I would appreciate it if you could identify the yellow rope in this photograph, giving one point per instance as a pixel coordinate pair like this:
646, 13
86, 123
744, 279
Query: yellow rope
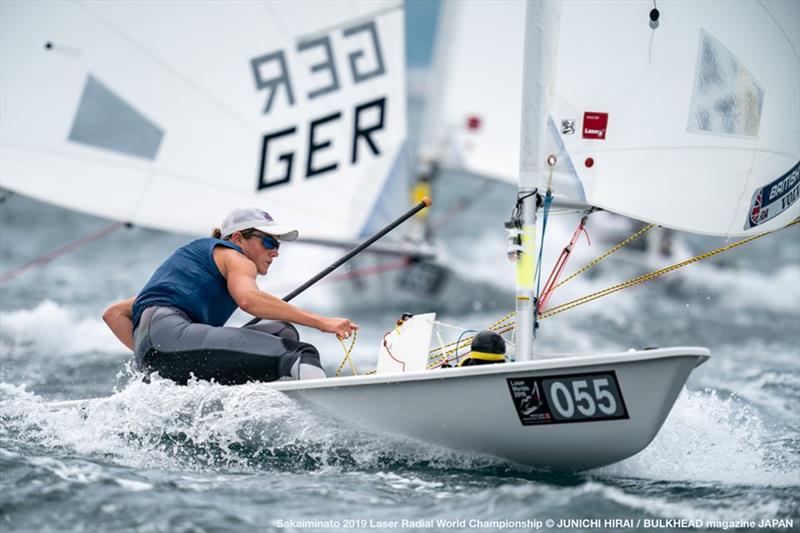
506, 323
444, 352
652, 275
609, 252
501, 326
441, 344
347, 352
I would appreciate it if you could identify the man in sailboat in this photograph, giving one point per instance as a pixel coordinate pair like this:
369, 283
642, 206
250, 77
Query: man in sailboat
175, 324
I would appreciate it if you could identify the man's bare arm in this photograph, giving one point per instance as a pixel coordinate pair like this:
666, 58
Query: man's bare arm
119, 317
241, 276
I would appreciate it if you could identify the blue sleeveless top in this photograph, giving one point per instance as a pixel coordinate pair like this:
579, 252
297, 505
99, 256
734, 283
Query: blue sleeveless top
190, 281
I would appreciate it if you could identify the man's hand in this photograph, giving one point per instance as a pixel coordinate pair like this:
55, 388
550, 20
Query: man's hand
342, 327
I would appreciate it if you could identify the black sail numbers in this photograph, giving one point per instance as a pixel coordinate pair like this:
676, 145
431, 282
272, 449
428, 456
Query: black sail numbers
283, 149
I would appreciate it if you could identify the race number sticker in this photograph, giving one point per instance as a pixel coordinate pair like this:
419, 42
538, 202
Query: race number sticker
775, 198
569, 398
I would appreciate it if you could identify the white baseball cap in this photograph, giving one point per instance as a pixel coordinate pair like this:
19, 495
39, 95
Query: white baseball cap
251, 217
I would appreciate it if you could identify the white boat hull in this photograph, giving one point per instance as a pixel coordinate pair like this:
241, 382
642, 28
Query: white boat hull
472, 409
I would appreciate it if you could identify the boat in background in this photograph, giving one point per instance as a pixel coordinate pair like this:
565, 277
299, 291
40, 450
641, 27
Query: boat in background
471, 119
467, 149
166, 115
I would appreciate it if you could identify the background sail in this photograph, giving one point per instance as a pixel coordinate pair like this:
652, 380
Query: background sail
694, 125
168, 114
472, 117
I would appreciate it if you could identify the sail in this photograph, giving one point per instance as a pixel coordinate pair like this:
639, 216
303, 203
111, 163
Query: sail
169, 114
472, 119
693, 124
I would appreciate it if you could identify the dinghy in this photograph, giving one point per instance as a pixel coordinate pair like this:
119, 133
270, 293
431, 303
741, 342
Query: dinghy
168, 114
686, 117
566, 413
689, 122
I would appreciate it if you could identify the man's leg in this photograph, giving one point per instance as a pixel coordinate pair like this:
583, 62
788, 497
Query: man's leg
181, 349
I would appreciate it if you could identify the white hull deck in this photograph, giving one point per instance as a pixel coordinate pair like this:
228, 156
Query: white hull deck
597, 409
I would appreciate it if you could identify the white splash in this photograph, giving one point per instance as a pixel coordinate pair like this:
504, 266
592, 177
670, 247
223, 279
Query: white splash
205, 426
702, 439
55, 330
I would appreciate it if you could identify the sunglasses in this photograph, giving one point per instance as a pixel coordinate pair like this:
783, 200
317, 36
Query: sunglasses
269, 242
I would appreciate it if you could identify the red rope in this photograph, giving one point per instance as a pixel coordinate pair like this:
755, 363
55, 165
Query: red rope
354, 274
370, 271
550, 286
13, 273
386, 345
462, 205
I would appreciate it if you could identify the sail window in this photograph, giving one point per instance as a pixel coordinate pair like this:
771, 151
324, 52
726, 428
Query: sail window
727, 99
105, 120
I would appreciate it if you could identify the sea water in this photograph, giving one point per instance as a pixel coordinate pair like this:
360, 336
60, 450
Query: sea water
204, 457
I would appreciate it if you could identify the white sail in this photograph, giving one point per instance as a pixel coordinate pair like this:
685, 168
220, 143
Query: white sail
472, 116
714, 156
168, 114
693, 125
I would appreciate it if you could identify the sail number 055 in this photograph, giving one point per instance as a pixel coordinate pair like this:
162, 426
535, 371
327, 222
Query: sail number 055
567, 398
587, 400
583, 397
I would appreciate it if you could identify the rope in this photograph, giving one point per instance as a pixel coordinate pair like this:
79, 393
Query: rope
507, 322
609, 252
13, 273
652, 275
561, 263
439, 338
347, 352
451, 326
502, 325
548, 199
458, 341
372, 270
462, 205
360, 273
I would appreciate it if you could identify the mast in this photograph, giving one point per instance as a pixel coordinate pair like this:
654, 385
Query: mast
540, 29
432, 147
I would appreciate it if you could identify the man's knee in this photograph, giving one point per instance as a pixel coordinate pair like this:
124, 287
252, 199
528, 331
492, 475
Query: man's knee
289, 332
310, 357
278, 328
303, 362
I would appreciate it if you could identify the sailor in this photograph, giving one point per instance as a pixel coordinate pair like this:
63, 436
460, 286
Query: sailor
175, 324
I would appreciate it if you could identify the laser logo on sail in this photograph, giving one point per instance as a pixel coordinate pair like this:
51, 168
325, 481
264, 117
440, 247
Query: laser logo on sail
595, 125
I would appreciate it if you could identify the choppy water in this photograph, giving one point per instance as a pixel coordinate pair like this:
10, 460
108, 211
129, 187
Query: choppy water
210, 458
205, 457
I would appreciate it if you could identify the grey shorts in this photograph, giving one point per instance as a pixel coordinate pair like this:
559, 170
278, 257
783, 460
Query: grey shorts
168, 342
